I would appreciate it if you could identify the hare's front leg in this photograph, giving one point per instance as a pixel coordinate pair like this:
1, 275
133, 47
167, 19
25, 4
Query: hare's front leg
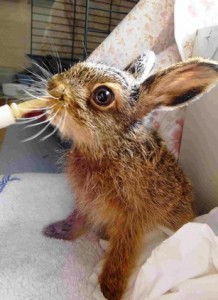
68, 229
124, 246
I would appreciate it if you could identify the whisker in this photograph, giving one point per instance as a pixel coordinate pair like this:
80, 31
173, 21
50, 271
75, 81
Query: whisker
44, 71
38, 109
58, 61
47, 69
35, 96
36, 124
36, 135
40, 78
50, 65
37, 91
41, 131
41, 85
52, 45
25, 118
43, 93
39, 94
50, 96
34, 81
37, 76
47, 136
38, 97
62, 120
21, 121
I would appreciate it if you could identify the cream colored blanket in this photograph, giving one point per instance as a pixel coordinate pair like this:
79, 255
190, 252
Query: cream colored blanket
183, 266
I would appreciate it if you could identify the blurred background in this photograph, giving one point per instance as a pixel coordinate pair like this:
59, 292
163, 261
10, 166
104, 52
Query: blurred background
50, 33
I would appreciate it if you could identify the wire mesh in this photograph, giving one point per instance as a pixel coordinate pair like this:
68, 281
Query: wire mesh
74, 28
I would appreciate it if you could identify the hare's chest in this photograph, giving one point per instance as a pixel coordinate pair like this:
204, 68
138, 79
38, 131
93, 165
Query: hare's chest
90, 181
99, 187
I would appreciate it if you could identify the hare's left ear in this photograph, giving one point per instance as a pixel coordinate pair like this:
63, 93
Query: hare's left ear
176, 85
141, 67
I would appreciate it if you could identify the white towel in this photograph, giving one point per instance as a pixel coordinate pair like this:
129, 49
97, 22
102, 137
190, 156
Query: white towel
34, 267
184, 266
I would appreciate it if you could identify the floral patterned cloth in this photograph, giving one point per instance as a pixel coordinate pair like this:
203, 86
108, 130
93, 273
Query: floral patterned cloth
150, 25
191, 15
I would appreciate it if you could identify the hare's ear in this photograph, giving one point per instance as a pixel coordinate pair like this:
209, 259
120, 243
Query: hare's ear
142, 66
176, 85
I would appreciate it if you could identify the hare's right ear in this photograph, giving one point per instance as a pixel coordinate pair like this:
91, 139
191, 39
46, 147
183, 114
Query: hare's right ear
176, 85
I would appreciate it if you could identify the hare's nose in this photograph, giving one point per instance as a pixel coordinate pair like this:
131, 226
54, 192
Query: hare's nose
56, 90
51, 84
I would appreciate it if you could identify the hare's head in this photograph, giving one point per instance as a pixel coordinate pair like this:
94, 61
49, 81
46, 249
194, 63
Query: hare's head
96, 103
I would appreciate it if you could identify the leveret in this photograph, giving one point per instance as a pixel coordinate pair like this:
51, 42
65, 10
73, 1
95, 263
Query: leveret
124, 179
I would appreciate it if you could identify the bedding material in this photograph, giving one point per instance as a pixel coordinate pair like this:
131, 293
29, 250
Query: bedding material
182, 266
33, 266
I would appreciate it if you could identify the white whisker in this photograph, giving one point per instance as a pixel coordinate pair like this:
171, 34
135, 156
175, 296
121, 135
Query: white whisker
40, 83
31, 117
46, 68
43, 93
50, 96
41, 131
62, 120
21, 121
44, 71
38, 76
35, 96
50, 64
55, 57
36, 124
38, 109
38, 88
47, 136
41, 96
36, 135
58, 61
38, 92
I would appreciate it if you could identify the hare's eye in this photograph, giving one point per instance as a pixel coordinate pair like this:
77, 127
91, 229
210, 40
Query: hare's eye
103, 96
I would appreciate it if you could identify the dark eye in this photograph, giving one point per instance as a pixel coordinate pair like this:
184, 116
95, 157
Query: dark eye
103, 96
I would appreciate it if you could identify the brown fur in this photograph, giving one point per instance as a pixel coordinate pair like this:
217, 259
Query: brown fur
125, 180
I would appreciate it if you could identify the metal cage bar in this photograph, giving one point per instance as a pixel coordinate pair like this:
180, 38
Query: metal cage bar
80, 24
